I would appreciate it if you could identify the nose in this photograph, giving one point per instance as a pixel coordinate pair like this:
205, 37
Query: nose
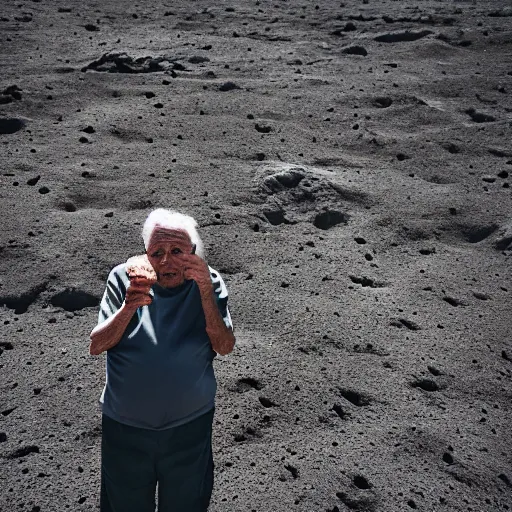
169, 257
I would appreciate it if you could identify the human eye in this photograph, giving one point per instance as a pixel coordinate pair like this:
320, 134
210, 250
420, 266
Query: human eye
176, 251
157, 254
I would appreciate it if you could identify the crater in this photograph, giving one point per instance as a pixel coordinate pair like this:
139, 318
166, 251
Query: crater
403, 322
10, 125
329, 218
479, 117
266, 402
140, 204
23, 452
72, 299
293, 470
21, 303
355, 397
398, 37
504, 238
367, 282
355, 50
425, 384
276, 217
340, 411
246, 384
361, 482
382, 102
300, 195
358, 502
475, 233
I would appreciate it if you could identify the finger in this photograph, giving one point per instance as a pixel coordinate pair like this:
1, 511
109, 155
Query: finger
138, 276
133, 292
141, 281
196, 265
141, 300
137, 292
141, 273
138, 298
191, 258
141, 286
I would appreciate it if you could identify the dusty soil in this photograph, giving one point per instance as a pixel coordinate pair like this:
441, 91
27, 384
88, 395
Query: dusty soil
349, 165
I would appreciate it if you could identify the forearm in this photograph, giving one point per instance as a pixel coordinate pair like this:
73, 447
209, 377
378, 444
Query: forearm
221, 336
108, 334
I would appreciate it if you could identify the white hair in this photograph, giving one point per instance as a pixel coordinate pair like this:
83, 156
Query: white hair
171, 219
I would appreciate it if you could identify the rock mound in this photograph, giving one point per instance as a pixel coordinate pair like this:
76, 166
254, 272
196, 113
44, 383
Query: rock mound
123, 63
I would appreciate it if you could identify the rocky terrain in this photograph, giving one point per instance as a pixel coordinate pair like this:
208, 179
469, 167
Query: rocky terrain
349, 164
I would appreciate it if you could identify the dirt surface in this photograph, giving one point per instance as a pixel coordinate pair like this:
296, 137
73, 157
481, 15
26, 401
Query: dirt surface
349, 165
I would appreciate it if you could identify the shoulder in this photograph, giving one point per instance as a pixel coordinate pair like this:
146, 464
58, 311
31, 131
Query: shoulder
119, 270
218, 282
118, 276
214, 274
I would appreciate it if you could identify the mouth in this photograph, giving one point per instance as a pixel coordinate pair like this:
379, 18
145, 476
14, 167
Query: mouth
168, 274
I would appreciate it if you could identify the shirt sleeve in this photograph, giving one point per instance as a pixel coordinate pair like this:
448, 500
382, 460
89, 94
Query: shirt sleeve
113, 296
221, 297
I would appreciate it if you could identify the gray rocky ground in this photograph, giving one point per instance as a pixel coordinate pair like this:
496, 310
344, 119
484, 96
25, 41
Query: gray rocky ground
349, 166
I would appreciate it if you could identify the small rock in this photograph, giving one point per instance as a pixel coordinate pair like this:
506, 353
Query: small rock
228, 86
355, 50
481, 296
262, 128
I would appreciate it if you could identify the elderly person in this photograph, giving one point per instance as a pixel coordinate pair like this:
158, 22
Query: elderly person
163, 318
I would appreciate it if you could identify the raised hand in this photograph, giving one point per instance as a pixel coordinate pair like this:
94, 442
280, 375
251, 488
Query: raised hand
197, 269
142, 277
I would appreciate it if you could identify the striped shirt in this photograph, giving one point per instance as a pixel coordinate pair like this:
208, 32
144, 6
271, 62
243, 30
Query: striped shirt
160, 374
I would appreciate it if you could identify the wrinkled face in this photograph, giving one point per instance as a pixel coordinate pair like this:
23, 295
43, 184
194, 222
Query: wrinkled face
166, 250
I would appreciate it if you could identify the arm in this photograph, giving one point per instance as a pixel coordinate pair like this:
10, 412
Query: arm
221, 336
218, 328
118, 306
108, 334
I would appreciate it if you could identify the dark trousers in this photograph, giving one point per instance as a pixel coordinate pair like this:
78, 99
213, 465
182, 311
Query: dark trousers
134, 459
